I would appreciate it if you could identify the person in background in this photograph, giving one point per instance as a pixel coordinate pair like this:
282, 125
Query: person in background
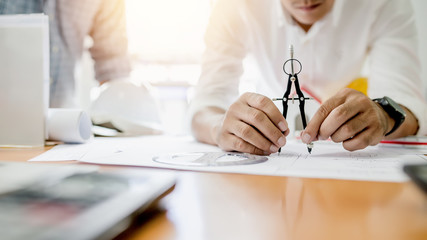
332, 39
70, 23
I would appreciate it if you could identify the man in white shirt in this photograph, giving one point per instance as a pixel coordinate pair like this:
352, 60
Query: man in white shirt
333, 40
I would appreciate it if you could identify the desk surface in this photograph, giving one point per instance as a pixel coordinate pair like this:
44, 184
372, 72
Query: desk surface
235, 206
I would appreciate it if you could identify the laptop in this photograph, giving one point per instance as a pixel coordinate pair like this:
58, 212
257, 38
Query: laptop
53, 201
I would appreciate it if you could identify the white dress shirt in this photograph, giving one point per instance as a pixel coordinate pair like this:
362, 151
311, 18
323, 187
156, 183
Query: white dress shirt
332, 52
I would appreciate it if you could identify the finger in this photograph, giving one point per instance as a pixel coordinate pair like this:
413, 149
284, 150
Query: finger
240, 111
234, 143
253, 137
263, 124
264, 104
337, 118
311, 132
367, 137
286, 133
349, 129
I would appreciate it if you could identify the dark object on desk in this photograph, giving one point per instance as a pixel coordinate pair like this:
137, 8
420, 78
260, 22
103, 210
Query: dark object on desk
394, 110
418, 174
293, 83
75, 202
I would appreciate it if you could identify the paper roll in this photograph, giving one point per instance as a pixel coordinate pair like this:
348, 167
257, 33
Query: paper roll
68, 125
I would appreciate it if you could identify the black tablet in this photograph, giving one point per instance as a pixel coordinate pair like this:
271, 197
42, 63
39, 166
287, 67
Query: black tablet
418, 173
75, 201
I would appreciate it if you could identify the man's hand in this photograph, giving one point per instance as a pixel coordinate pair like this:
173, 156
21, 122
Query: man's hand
252, 124
349, 117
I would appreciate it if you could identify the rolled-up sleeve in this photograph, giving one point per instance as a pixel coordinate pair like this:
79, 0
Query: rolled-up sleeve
394, 62
222, 60
110, 45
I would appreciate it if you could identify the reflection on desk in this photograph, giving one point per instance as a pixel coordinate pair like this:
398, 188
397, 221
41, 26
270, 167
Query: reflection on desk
236, 206
230, 206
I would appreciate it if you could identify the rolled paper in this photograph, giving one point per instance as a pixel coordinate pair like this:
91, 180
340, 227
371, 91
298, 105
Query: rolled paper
68, 125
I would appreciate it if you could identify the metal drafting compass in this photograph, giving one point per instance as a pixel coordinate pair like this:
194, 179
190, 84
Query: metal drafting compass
293, 81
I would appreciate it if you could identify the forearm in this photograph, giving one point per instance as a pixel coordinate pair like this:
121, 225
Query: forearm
110, 45
205, 124
409, 126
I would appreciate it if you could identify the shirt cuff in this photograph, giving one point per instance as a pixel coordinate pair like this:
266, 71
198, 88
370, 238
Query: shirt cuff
419, 109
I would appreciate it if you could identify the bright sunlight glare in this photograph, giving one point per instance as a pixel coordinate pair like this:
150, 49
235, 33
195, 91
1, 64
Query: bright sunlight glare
167, 31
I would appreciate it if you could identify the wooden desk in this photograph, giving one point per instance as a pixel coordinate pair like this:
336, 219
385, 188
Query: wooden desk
235, 206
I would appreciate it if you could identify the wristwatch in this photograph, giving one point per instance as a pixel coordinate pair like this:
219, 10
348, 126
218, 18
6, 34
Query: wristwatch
394, 110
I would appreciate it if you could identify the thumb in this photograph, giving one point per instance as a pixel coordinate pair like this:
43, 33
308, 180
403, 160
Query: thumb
311, 132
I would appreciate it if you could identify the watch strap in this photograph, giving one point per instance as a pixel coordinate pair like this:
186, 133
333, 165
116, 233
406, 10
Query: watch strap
394, 110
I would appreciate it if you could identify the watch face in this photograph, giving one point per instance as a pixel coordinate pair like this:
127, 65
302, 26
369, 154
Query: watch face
395, 106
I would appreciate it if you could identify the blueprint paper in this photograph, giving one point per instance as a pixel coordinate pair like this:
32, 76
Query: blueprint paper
328, 160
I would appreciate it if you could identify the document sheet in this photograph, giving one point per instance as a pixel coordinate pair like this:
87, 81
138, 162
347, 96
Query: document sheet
328, 160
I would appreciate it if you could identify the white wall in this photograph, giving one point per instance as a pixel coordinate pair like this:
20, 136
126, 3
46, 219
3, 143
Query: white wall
420, 7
